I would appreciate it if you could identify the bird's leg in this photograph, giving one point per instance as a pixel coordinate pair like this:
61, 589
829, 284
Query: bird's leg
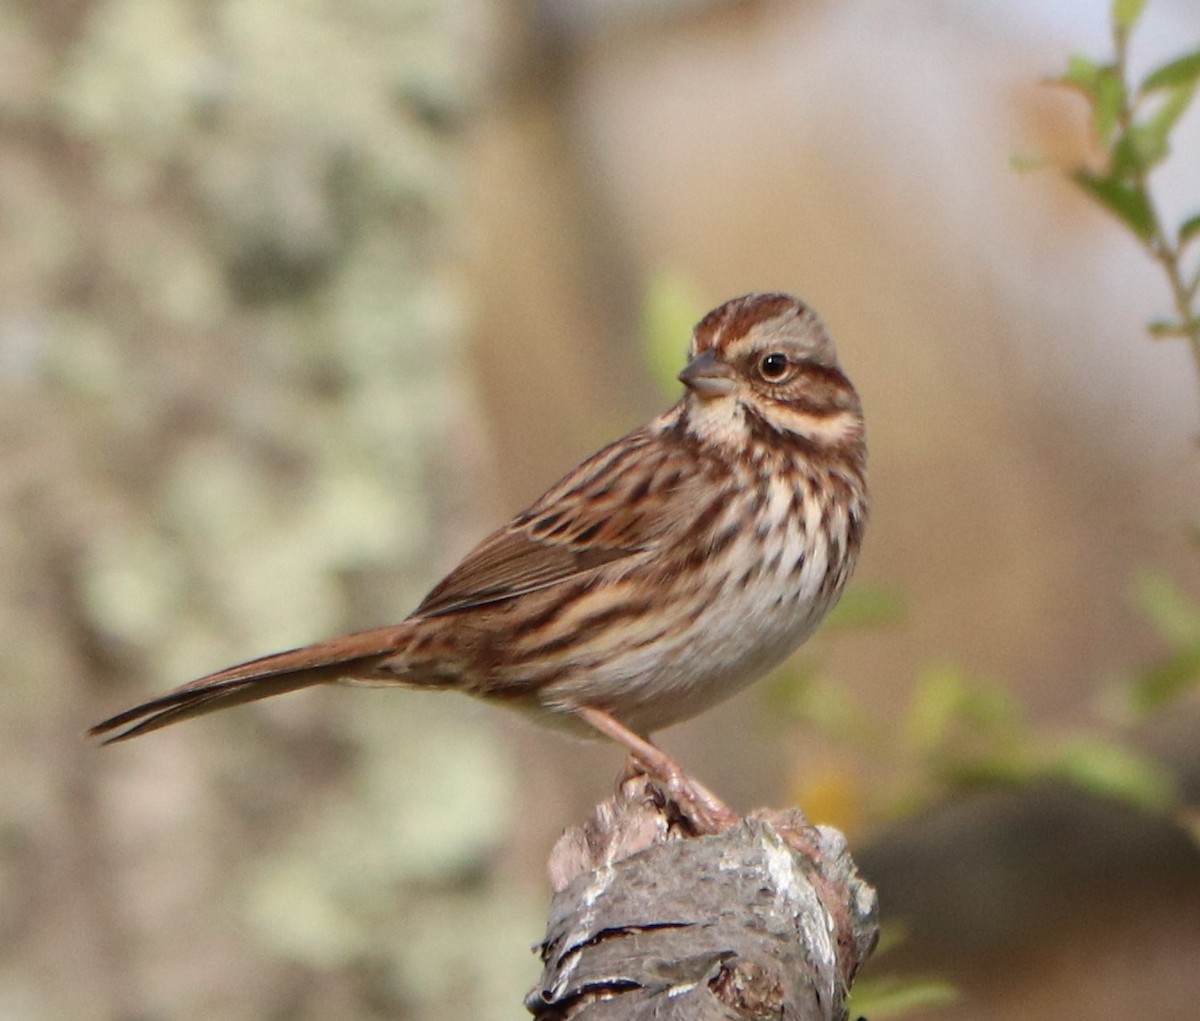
704, 810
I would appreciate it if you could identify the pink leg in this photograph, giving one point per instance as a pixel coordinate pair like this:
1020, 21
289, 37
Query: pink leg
704, 810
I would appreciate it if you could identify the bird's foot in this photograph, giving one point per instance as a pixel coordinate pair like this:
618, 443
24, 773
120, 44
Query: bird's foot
704, 812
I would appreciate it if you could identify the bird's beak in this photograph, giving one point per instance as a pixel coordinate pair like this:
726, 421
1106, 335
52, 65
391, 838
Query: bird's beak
707, 377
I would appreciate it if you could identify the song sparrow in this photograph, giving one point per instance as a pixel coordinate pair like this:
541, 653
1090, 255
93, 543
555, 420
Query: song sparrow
662, 575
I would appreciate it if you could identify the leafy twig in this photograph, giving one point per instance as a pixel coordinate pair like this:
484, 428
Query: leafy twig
1133, 125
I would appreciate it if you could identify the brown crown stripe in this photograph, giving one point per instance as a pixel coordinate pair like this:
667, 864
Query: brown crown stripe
736, 318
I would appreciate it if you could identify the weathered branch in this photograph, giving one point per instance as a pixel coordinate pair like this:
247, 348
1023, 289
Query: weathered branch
769, 919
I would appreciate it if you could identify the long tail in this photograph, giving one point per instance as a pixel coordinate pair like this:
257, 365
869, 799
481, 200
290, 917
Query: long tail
351, 656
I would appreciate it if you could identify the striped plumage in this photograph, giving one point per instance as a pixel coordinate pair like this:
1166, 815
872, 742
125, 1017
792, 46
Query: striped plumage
664, 573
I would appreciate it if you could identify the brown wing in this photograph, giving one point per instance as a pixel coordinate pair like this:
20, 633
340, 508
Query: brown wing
614, 506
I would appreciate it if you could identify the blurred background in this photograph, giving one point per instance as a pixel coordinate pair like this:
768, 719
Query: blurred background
299, 300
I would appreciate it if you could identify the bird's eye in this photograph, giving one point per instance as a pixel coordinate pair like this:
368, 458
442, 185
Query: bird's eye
774, 366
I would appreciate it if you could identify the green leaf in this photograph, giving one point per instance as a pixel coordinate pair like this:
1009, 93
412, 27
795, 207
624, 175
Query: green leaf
670, 311
1113, 771
1139, 149
893, 934
878, 998
1174, 107
794, 693
934, 704
951, 711
1082, 73
1125, 14
1176, 618
967, 733
1166, 329
1127, 202
1145, 144
1167, 680
866, 606
1174, 614
1103, 87
1189, 230
788, 691
1183, 71
1023, 162
1109, 99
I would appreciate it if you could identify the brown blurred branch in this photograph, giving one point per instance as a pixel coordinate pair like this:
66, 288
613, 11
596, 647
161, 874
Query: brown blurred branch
769, 919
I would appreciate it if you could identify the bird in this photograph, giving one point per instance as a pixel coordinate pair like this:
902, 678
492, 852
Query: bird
666, 572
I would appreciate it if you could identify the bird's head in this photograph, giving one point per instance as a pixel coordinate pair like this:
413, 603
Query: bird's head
766, 362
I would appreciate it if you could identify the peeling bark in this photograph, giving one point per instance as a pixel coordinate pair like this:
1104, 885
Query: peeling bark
769, 919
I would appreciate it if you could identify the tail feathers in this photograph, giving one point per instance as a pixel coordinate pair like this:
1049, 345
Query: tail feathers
351, 656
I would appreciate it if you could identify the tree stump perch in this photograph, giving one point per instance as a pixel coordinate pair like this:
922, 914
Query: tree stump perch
769, 919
